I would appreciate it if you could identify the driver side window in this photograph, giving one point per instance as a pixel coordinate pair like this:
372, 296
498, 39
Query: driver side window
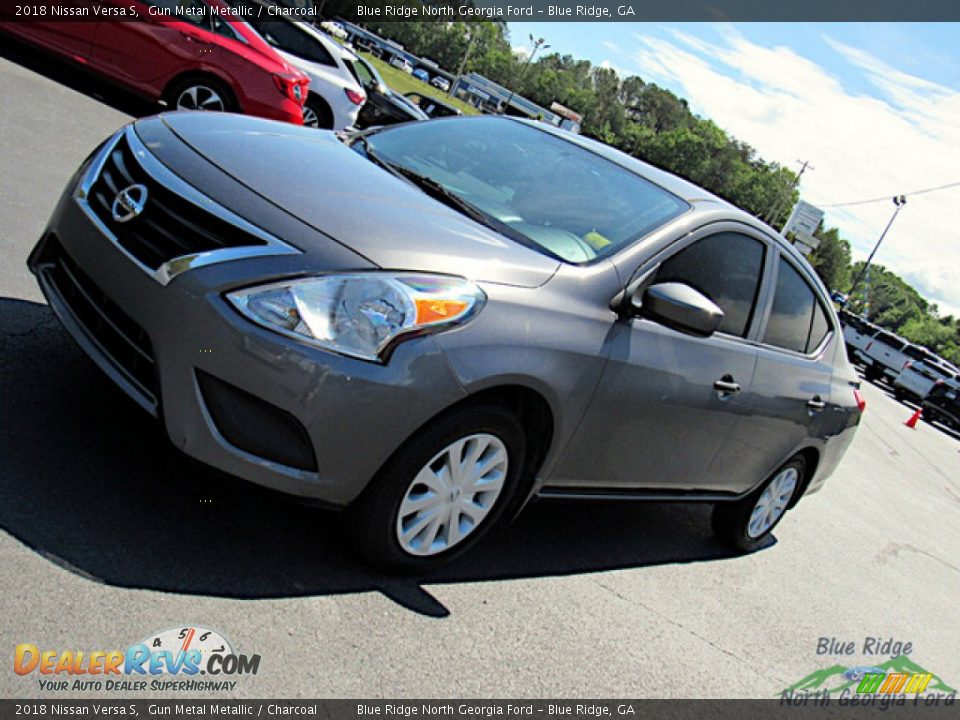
725, 267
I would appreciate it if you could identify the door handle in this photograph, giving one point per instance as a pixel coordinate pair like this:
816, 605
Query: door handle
816, 404
193, 38
726, 385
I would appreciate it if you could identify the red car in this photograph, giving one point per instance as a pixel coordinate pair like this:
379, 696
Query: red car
179, 51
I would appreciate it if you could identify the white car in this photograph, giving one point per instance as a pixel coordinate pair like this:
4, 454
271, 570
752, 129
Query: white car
918, 377
441, 83
335, 96
334, 28
857, 333
401, 63
886, 356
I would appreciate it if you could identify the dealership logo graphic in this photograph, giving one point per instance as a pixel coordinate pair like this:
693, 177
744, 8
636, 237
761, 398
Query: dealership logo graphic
897, 676
184, 652
129, 203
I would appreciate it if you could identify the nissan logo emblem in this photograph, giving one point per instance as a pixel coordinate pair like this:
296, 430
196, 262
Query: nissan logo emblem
129, 203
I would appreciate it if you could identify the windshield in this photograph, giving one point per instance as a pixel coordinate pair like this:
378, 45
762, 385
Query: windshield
567, 201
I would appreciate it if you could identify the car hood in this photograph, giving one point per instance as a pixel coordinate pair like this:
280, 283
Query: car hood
314, 177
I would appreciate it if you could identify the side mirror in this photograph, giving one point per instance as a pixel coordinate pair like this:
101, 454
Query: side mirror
678, 306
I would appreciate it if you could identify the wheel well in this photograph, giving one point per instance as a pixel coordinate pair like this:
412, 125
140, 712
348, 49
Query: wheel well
199, 75
811, 458
322, 103
537, 420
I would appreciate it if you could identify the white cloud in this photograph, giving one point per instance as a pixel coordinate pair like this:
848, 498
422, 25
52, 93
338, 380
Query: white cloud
902, 136
616, 68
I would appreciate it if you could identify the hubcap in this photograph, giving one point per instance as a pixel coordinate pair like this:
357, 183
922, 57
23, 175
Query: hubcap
452, 494
310, 117
773, 502
200, 97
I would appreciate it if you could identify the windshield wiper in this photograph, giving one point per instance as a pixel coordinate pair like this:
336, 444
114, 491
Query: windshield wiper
437, 191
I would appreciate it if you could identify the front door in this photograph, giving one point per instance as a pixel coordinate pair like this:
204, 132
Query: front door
667, 402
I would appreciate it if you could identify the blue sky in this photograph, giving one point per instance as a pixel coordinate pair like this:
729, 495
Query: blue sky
875, 107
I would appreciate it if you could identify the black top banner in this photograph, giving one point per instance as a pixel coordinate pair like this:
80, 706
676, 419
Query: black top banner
504, 10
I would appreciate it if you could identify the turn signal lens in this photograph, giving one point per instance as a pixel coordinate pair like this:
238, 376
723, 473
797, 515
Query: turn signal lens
431, 311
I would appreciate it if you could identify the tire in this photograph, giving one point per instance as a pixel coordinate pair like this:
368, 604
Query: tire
317, 114
384, 520
201, 93
732, 521
872, 374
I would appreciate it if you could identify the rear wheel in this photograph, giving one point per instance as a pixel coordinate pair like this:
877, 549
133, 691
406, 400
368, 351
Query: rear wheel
317, 114
442, 491
201, 94
744, 525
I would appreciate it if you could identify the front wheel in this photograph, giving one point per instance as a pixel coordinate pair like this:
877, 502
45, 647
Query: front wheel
442, 491
746, 523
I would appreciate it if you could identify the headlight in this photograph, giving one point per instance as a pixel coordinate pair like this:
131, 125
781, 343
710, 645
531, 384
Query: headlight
361, 314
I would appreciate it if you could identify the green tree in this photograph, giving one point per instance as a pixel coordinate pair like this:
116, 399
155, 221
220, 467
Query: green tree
831, 259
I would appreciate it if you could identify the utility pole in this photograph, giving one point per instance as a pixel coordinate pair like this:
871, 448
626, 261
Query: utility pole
900, 201
537, 44
466, 56
774, 210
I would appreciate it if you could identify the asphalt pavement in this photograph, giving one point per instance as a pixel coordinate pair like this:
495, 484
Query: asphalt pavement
107, 534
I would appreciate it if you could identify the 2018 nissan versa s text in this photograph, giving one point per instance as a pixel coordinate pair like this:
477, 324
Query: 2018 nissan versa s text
430, 324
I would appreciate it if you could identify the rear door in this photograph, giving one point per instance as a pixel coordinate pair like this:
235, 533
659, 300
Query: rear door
661, 413
147, 53
791, 399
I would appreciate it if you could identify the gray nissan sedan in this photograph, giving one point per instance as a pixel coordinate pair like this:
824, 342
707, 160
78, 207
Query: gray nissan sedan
430, 325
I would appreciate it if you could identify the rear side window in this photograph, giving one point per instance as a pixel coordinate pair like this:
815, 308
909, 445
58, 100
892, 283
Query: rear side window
724, 267
288, 37
798, 321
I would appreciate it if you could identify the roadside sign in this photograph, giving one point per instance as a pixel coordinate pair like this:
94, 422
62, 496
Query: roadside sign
803, 222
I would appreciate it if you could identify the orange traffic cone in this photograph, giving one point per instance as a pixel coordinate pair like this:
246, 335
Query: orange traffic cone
912, 422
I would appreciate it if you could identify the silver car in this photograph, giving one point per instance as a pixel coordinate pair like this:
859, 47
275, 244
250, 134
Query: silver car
432, 324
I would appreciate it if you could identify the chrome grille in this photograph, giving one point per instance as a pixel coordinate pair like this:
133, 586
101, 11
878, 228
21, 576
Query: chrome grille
169, 226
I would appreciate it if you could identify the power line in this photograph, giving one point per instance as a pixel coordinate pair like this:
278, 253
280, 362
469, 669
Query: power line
886, 198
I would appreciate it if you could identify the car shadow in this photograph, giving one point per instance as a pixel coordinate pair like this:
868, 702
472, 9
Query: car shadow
90, 482
74, 76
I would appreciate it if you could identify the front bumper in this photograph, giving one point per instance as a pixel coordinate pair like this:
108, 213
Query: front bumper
353, 414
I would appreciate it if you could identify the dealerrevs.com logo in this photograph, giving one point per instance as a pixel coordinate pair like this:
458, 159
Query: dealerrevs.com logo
169, 660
